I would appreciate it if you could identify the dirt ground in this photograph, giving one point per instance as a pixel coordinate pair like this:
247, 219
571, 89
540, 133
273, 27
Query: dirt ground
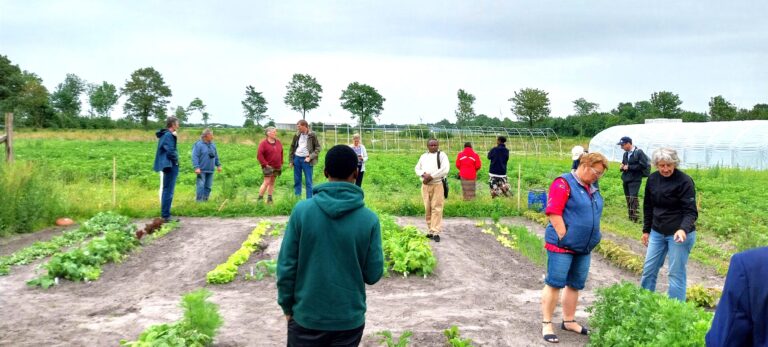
490, 292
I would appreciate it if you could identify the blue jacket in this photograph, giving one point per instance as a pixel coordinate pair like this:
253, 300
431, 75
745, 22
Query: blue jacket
331, 249
166, 155
201, 156
498, 156
582, 219
741, 318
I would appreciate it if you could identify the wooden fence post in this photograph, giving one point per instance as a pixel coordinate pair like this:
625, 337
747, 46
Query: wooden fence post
8, 137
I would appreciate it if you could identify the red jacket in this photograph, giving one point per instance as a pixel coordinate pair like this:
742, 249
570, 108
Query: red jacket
270, 154
468, 162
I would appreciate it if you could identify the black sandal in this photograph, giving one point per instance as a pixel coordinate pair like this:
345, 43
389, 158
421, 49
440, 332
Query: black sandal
551, 338
584, 330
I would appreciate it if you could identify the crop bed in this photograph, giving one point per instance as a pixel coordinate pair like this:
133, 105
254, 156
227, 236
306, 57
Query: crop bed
486, 289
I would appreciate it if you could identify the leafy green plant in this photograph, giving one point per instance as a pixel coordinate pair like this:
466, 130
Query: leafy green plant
198, 327
703, 297
84, 262
621, 256
406, 250
387, 338
454, 337
263, 268
627, 315
227, 271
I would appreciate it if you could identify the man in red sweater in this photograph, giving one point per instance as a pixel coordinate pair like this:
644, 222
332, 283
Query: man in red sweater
468, 163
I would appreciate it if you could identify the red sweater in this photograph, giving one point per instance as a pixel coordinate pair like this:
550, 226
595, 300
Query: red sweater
270, 154
468, 162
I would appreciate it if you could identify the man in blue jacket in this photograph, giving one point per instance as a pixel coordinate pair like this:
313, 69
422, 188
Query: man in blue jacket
205, 158
741, 318
330, 251
167, 163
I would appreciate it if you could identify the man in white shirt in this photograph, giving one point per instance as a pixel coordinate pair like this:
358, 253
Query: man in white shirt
305, 149
432, 168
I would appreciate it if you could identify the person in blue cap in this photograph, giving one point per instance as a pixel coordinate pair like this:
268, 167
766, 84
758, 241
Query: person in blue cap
634, 166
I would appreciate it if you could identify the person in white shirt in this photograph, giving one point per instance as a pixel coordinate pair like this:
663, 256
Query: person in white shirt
362, 157
433, 167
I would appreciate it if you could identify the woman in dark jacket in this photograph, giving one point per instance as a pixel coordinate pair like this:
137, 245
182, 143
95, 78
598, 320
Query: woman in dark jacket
669, 222
574, 211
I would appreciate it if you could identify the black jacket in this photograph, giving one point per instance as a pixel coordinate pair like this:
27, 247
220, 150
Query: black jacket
669, 203
639, 166
498, 156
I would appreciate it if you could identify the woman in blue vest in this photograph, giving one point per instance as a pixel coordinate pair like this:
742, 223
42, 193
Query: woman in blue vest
574, 209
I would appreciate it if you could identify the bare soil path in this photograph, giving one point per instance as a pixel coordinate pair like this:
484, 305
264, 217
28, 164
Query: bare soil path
491, 292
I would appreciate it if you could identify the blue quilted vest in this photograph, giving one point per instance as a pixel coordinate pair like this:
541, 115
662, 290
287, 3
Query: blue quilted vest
582, 219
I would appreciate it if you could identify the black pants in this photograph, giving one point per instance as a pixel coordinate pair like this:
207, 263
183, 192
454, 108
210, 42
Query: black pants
299, 336
631, 192
359, 181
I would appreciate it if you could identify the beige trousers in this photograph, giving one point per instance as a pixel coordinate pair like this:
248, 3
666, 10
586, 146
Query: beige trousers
432, 194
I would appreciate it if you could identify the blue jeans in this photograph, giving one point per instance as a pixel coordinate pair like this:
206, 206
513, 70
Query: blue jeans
566, 269
169, 185
203, 183
659, 246
299, 166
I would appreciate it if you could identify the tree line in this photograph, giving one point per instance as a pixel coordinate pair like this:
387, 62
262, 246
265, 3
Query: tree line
531, 108
146, 100
146, 103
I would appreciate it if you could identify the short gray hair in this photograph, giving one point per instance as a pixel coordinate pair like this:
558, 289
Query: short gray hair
206, 131
268, 129
356, 135
665, 154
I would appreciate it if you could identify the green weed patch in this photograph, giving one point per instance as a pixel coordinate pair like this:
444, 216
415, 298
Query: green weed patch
406, 250
627, 315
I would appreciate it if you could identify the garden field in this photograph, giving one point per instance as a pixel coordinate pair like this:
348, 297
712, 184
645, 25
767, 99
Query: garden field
487, 276
490, 292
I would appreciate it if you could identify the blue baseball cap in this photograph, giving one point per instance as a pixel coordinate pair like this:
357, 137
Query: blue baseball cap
625, 139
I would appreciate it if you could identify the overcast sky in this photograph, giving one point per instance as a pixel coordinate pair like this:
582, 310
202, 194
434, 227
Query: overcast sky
417, 54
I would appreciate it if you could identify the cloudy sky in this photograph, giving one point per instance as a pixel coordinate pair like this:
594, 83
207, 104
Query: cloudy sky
417, 54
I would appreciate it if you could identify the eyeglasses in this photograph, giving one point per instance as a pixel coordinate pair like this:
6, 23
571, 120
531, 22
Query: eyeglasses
598, 174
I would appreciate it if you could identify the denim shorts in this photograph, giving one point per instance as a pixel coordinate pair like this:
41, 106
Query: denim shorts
565, 269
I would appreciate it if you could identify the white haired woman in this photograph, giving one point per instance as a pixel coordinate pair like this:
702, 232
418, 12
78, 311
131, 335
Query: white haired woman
362, 157
669, 222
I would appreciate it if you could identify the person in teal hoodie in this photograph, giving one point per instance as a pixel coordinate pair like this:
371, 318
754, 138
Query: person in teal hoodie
331, 249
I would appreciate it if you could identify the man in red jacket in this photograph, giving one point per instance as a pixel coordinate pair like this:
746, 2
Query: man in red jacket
468, 163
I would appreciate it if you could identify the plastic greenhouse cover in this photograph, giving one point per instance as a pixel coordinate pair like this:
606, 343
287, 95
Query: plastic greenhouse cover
741, 144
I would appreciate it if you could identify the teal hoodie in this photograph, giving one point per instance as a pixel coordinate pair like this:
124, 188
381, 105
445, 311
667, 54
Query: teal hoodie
330, 250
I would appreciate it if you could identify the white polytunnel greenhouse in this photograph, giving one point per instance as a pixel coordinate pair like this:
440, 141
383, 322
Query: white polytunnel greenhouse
741, 144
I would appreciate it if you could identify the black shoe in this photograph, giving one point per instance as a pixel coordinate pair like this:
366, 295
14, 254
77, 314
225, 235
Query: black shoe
429, 236
171, 219
584, 330
436, 238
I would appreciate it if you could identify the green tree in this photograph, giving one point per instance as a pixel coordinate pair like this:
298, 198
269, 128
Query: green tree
147, 95
254, 106
645, 110
688, 116
33, 107
66, 97
530, 105
206, 116
303, 94
181, 114
102, 97
759, 111
666, 104
721, 109
465, 112
363, 101
11, 85
625, 110
199, 106
584, 107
